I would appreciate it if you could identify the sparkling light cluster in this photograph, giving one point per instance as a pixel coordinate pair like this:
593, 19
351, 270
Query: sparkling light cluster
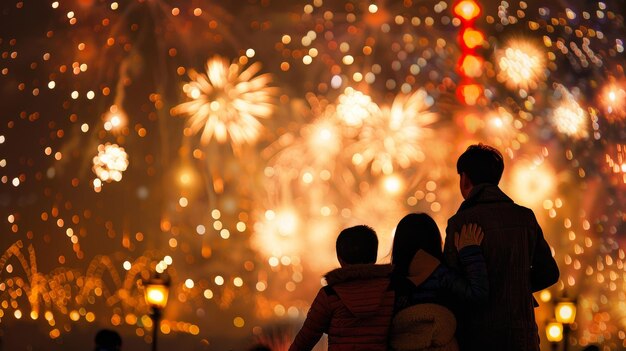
354, 107
521, 65
110, 162
568, 117
393, 136
532, 182
227, 102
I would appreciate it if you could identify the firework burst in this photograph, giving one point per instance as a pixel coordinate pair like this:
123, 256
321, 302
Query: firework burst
275, 233
503, 129
314, 154
324, 139
355, 107
533, 181
227, 102
393, 136
110, 162
317, 150
521, 65
568, 117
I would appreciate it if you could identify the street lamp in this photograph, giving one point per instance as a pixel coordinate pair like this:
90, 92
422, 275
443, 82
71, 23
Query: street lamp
565, 312
554, 333
156, 292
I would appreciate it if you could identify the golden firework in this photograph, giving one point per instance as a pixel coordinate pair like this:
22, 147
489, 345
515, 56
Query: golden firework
275, 234
532, 182
521, 65
393, 136
110, 162
227, 102
323, 138
355, 107
503, 129
315, 153
568, 117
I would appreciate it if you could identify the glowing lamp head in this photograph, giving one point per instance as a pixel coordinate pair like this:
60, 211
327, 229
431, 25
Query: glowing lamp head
554, 331
467, 10
157, 291
565, 312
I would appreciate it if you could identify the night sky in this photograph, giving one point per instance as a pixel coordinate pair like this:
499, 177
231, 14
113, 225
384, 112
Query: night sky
227, 143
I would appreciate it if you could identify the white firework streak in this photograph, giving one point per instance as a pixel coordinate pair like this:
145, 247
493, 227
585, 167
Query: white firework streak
393, 137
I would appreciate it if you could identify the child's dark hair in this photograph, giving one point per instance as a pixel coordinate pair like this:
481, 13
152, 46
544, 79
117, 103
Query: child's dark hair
416, 231
482, 164
108, 340
358, 244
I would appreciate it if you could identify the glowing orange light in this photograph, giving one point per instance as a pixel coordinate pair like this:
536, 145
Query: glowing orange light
467, 10
472, 38
565, 312
157, 291
471, 66
470, 93
554, 332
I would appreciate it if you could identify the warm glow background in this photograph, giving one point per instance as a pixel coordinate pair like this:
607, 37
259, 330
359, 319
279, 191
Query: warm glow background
226, 143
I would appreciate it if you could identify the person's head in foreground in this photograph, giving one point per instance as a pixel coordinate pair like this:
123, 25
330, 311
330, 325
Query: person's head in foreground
108, 340
479, 164
416, 231
357, 245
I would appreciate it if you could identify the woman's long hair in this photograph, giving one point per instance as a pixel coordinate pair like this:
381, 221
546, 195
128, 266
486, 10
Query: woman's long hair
414, 232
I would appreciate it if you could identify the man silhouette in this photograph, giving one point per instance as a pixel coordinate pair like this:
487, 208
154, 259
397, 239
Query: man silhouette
518, 258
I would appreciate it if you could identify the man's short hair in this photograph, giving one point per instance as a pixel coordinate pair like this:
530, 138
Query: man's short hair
358, 244
482, 164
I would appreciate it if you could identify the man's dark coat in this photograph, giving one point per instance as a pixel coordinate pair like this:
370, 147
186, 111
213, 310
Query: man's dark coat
519, 262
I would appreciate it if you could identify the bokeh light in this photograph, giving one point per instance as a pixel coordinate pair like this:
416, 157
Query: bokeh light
226, 144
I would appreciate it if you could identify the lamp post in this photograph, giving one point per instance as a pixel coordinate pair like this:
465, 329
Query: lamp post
565, 312
156, 292
554, 333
